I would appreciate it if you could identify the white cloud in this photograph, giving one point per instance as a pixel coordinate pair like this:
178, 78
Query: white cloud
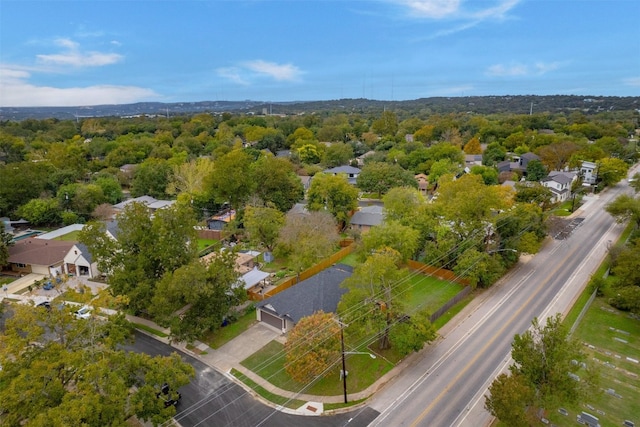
632, 81
280, 72
432, 8
514, 70
16, 91
247, 72
233, 74
73, 56
458, 9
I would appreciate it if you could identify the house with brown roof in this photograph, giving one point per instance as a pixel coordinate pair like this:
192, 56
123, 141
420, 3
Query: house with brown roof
423, 183
39, 256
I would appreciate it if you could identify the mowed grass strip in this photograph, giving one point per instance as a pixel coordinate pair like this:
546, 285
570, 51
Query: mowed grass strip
268, 362
604, 328
429, 292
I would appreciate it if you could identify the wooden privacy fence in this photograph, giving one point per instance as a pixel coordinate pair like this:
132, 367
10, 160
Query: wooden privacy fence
442, 274
447, 305
438, 272
304, 275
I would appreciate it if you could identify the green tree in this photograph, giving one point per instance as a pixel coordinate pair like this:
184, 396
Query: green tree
22, 182
380, 177
146, 249
510, 400
333, 193
493, 154
544, 357
41, 211
278, 182
337, 154
625, 208
6, 240
312, 346
80, 198
535, 193
392, 234
386, 125
489, 174
151, 178
535, 170
634, 182
611, 170
195, 298
403, 204
75, 372
376, 297
111, 188
263, 225
307, 238
231, 180
189, 177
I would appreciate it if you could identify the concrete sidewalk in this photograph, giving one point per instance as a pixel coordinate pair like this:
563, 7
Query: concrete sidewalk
229, 356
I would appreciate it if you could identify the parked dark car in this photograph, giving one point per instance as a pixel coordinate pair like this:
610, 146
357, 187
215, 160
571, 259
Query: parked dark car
170, 398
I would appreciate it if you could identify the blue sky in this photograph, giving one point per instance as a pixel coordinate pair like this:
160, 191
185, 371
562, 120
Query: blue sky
90, 52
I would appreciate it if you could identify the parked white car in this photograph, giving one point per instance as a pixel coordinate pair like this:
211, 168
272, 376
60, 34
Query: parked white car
83, 313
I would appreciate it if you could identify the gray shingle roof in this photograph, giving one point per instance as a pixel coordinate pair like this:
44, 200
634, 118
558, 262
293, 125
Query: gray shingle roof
319, 292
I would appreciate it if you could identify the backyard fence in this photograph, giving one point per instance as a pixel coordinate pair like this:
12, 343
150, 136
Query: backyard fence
304, 275
447, 305
437, 272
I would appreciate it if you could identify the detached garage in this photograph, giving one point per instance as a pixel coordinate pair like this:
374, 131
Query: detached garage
320, 292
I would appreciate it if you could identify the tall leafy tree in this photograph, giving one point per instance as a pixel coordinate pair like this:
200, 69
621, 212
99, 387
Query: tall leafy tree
337, 154
611, 170
75, 372
333, 193
231, 180
392, 234
312, 346
307, 238
263, 225
544, 357
278, 183
380, 177
376, 297
151, 178
195, 298
146, 249
41, 211
6, 240
535, 170
625, 208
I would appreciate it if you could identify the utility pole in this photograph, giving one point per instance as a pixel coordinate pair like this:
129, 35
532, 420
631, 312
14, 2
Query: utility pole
344, 365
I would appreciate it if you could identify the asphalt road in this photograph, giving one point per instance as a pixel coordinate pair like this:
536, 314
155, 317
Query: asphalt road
211, 399
446, 386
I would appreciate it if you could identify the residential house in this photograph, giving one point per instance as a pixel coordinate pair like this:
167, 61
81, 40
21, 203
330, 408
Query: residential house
366, 217
351, 172
589, 173
560, 184
319, 292
423, 183
218, 222
518, 163
361, 159
38, 256
79, 261
473, 160
306, 181
151, 202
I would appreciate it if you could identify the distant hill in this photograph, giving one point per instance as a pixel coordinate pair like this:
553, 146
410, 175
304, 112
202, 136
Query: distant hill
521, 104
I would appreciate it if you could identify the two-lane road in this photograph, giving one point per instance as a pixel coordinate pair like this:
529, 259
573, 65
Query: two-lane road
446, 386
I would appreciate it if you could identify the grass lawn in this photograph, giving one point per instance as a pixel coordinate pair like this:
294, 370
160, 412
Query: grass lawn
280, 400
351, 260
205, 243
605, 328
430, 293
268, 362
69, 237
225, 334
